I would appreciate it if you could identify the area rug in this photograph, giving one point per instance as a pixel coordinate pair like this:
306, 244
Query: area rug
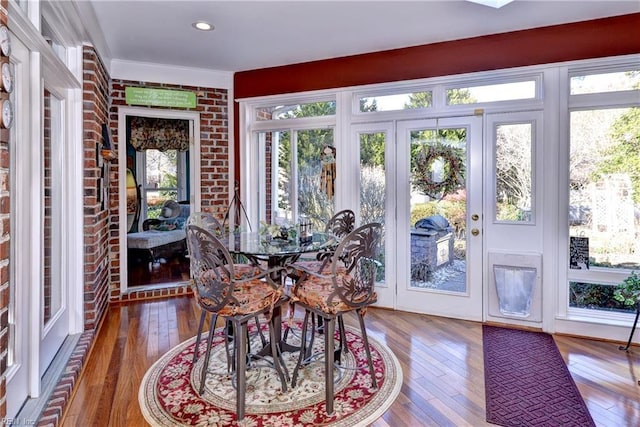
527, 382
168, 395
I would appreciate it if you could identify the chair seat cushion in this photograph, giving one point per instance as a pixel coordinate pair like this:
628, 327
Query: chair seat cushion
245, 270
299, 267
251, 296
319, 293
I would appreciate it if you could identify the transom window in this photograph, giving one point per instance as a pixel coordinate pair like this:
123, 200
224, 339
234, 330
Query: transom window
296, 110
397, 101
605, 82
491, 93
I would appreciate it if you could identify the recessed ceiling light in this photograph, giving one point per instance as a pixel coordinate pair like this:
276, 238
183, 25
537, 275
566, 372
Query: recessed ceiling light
492, 3
202, 26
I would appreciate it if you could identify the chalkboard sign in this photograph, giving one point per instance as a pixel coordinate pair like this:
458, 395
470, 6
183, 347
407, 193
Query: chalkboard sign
579, 253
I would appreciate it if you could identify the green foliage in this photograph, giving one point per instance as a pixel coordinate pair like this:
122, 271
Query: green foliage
624, 157
372, 147
420, 100
460, 96
423, 210
628, 292
590, 295
314, 109
453, 210
366, 107
510, 212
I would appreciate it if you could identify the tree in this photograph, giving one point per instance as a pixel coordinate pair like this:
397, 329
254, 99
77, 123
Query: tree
624, 156
513, 170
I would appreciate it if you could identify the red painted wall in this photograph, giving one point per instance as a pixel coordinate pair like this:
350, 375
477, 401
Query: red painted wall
582, 40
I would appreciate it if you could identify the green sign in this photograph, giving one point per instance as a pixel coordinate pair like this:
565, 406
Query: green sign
159, 97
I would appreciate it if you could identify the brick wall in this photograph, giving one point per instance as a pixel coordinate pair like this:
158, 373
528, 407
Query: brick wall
95, 97
214, 168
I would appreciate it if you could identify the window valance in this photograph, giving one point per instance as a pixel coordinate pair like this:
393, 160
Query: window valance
148, 133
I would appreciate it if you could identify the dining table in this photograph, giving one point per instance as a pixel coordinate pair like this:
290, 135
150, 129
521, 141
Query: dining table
278, 253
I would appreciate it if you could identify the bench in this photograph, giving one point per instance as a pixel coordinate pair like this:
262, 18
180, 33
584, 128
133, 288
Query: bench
159, 238
157, 242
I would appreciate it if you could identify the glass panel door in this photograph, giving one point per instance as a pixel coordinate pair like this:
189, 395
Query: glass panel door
376, 154
19, 355
55, 320
439, 205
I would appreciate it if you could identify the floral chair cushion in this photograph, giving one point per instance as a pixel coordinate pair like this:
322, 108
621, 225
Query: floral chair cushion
321, 293
249, 296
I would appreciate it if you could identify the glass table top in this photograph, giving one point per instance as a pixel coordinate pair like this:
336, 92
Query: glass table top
255, 243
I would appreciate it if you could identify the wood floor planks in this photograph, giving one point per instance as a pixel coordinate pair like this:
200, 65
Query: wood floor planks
442, 364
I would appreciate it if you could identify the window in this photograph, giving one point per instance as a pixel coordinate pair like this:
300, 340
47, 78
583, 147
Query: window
164, 175
392, 102
513, 172
296, 172
294, 111
491, 93
605, 82
604, 193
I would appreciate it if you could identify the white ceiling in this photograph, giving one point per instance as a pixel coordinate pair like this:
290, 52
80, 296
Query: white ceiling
258, 34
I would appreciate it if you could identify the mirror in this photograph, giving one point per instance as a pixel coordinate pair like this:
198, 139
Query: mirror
133, 202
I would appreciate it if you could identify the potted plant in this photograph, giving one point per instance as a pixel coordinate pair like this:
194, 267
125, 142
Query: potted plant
628, 292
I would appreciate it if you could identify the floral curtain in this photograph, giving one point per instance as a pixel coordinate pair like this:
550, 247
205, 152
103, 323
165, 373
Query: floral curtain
149, 133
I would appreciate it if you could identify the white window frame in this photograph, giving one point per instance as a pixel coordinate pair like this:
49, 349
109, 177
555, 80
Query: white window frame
570, 319
551, 191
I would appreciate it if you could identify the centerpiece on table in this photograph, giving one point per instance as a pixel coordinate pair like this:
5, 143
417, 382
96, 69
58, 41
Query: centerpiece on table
283, 233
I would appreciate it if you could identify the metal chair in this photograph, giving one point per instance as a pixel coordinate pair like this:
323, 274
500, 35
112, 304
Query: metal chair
348, 286
210, 223
207, 221
340, 224
223, 292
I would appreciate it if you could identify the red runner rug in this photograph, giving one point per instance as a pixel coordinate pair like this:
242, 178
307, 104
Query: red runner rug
527, 382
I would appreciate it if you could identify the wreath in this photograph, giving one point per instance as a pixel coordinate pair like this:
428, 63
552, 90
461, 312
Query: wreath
453, 170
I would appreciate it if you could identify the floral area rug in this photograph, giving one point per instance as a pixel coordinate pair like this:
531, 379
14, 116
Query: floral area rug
168, 394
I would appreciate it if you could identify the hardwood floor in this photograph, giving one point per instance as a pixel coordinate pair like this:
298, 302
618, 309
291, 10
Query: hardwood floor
168, 270
441, 359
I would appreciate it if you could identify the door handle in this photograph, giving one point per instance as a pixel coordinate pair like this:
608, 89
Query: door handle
475, 231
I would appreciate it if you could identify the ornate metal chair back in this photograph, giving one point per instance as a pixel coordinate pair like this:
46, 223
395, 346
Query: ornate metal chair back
342, 223
207, 221
212, 269
354, 266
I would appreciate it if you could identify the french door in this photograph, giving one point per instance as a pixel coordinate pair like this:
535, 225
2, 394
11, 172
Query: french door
438, 203
46, 213
372, 148
20, 296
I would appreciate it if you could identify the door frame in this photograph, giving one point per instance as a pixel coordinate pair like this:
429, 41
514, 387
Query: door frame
194, 170
41, 346
467, 305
